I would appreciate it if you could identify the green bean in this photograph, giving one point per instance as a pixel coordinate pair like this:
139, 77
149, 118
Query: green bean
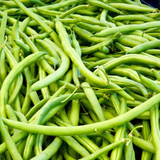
16, 138
93, 116
103, 5
141, 69
50, 150
69, 21
143, 34
93, 100
96, 47
57, 74
38, 2
149, 83
128, 42
15, 35
17, 103
100, 126
75, 111
47, 12
143, 144
38, 144
53, 111
68, 76
12, 75
42, 61
18, 82
36, 108
84, 140
130, 73
31, 137
100, 62
49, 48
40, 22
87, 35
103, 150
33, 96
51, 60
9, 142
154, 35
142, 59
127, 82
75, 71
127, 28
156, 73
3, 71
120, 133
75, 145
117, 106
57, 5
73, 10
133, 17
146, 154
146, 129
45, 90
155, 129
130, 153
29, 145
138, 38
11, 115
74, 57
121, 47
87, 12
130, 7
89, 27
136, 96
21, 116
153, 51
22, 45
120, 91
87, 19
66, 154
20, 146
104, 16
63, 115
144, 46
14, 5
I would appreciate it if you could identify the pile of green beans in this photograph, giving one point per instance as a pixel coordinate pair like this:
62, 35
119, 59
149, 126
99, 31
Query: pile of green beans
79, 80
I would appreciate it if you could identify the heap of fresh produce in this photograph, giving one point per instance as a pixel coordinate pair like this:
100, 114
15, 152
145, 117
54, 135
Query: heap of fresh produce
79, 79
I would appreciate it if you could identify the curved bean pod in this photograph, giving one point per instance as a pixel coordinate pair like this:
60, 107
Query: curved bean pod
141, 59
9, 142
128, 28
74, 56
57, 74
144, 46
85, 129
12, 75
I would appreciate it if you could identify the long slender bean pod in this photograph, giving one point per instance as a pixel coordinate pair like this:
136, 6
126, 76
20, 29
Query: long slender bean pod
12, 75
155, 129
127, 28
100, 126
9, 142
